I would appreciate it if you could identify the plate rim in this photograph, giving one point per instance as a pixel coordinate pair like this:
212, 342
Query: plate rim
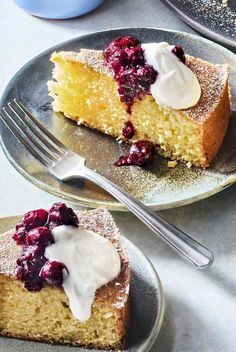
112, 205
199, 27
147, 345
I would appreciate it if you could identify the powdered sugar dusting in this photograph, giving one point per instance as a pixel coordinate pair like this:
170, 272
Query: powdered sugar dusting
212, 79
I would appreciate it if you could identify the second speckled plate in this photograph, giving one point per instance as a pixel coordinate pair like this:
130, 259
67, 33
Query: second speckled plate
158, 187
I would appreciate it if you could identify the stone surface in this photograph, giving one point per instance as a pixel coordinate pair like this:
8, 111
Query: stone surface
200, 305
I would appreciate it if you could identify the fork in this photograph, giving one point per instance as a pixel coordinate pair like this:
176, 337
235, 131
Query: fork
64, 164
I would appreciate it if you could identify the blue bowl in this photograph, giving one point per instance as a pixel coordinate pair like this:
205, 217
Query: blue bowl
58, 9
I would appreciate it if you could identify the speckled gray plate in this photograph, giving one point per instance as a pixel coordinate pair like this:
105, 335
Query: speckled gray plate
158, 186
210, 17
147, 306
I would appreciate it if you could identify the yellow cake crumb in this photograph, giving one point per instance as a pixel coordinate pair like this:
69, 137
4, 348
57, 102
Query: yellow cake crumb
172, 163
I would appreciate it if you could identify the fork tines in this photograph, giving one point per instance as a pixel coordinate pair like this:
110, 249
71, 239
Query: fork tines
32, 134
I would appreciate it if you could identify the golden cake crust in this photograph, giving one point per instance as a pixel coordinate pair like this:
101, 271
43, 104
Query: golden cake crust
114, 294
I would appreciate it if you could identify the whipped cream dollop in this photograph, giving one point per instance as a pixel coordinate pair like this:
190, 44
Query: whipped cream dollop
91, 262
176, 86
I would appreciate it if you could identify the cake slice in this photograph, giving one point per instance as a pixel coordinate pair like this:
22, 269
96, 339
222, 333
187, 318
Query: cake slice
45, 314
87, 90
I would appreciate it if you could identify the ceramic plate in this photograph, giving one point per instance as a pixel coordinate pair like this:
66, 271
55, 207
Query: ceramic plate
147, 306
212, 18
158, 186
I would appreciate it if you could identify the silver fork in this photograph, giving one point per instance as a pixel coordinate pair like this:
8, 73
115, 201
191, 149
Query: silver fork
65, 165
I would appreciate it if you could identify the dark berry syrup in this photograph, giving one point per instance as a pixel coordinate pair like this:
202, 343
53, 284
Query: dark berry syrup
34, 234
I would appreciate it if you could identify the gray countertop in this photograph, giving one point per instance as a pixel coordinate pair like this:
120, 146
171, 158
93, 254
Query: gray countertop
200, 305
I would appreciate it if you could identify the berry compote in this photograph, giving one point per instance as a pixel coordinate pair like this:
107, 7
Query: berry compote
128, 130
34, 234
141, 153
125, 57
178, 51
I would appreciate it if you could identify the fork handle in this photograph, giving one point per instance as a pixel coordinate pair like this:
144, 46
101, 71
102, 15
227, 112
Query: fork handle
192, 250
